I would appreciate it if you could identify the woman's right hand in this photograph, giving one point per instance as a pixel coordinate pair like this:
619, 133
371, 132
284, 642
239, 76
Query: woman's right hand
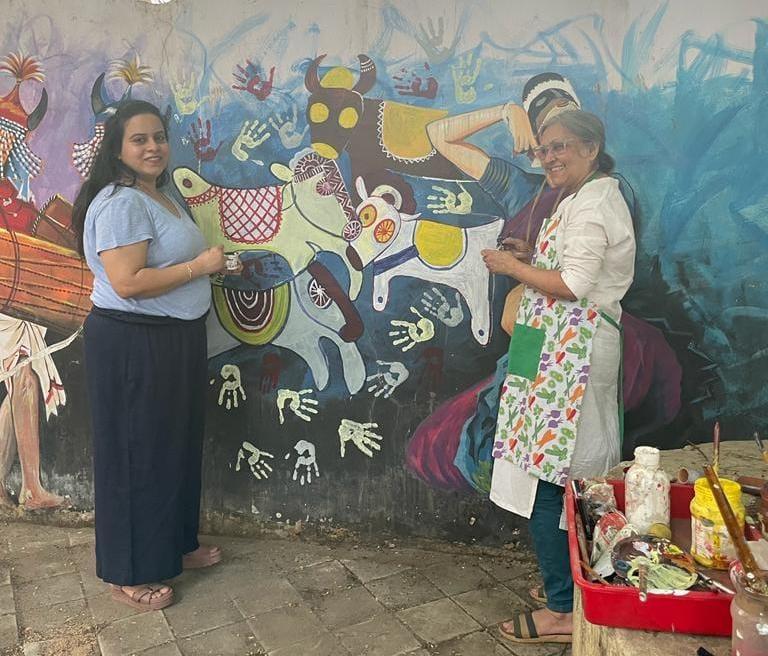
211, 260
520, 248
520, 127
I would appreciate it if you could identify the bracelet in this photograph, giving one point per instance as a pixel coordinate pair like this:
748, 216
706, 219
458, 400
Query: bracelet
189, 273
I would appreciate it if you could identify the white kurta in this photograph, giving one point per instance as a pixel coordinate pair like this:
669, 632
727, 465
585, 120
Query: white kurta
21, 339
596, 249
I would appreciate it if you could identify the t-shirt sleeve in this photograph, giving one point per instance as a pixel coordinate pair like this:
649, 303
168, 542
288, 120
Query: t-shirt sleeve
585, 240
122, 219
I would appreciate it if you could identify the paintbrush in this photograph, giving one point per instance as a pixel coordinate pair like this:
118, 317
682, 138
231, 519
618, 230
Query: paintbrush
716, 447
761, 446
748, 563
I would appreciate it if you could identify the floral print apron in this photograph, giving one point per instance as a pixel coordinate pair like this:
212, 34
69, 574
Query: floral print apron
548, 372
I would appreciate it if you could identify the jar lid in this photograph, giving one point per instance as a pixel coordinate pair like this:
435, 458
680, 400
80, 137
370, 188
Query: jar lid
731, 490
647, 456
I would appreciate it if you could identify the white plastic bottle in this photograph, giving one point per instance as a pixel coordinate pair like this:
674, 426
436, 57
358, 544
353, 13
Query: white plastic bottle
646, 490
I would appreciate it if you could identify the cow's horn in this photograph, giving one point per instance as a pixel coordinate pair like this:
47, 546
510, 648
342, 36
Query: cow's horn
311, 79
367, 75
38, 112
98, 104
388, 190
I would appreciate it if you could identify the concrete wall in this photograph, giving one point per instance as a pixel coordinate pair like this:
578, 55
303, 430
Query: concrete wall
348, 409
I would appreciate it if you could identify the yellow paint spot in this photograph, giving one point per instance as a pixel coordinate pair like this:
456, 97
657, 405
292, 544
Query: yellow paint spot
324, 150
404, 129
338, 78
438, 245
348, 117
318, 112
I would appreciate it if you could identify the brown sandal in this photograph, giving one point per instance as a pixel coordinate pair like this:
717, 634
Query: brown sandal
537, 594
203, 556
524, 631
147, 597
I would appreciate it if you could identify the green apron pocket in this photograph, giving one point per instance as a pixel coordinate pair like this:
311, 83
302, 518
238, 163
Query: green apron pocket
525, 351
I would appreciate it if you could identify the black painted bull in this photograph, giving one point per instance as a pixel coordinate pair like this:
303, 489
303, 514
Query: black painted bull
103, 107
380, 136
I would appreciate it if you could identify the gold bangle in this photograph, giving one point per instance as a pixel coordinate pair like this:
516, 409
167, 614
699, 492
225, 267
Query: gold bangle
189, 273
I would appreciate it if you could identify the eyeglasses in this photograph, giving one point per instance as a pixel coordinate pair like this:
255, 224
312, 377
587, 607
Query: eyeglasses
556, 148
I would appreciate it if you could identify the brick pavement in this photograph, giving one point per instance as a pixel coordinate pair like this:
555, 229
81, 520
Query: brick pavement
269, 597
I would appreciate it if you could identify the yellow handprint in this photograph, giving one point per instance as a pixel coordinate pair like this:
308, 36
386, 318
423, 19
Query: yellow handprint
465, 73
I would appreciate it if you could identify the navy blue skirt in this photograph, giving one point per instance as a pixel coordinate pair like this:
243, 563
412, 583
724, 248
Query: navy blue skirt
146, 381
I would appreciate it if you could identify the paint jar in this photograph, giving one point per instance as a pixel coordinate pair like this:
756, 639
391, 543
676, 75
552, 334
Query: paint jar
711, 545
749, 611
646, 490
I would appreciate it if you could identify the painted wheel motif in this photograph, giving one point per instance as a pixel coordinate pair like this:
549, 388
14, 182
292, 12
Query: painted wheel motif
352, 230
318, 294
384, 231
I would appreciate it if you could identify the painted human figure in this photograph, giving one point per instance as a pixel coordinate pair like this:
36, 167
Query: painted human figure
21, 341
19, 411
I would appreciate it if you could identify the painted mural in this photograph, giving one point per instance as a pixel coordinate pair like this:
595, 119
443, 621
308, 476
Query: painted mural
365, 327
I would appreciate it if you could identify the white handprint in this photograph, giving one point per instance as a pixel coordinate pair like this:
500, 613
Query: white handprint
232, 386
440, 308
251, 136
360, 435
385, 382
449, 202
301, 406
305, 462
259, 467
286, 128
409, 333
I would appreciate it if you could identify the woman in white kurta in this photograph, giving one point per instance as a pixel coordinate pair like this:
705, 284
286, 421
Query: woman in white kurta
591, 264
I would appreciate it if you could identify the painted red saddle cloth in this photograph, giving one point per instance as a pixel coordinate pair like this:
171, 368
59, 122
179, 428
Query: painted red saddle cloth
250, 216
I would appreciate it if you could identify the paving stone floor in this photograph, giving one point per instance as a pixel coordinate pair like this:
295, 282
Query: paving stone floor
275, 597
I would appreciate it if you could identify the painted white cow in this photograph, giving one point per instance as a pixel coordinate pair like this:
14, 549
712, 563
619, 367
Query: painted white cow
428, 250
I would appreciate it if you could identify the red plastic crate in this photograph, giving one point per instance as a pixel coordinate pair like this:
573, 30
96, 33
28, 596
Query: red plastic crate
703, 613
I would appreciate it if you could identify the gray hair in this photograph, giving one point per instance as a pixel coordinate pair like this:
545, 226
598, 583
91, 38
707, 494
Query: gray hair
587, 127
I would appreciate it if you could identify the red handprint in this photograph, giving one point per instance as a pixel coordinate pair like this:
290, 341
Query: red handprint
251, 81
271, 366
432, 375
202, 141
412, 85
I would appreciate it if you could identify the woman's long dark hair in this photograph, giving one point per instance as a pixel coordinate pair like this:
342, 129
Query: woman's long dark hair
107, 167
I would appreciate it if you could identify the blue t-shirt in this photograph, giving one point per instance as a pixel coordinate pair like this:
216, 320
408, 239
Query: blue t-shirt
129, 216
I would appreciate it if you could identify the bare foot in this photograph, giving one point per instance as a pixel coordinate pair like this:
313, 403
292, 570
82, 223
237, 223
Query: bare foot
6, 500
203, 556
42, 500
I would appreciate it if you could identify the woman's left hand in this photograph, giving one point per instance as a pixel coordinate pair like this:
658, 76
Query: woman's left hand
499, 261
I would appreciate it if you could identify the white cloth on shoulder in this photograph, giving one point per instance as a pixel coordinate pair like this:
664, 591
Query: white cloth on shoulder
21, 339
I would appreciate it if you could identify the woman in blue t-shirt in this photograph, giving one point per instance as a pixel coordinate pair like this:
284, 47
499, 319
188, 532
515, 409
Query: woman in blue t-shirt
145, 357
